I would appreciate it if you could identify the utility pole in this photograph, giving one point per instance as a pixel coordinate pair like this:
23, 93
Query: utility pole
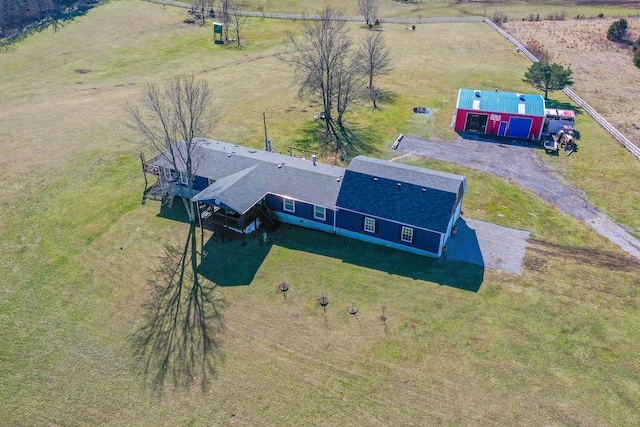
267, 142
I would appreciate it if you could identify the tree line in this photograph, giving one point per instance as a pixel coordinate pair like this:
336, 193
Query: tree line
16, 15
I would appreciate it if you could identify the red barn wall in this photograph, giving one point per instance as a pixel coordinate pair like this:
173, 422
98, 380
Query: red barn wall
493, 125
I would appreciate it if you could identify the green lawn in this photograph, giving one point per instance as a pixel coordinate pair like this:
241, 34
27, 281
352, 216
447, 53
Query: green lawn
514, 9
555, 346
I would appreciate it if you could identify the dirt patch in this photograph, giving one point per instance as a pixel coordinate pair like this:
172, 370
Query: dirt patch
534, 263
595, 258
603, 71
81, 71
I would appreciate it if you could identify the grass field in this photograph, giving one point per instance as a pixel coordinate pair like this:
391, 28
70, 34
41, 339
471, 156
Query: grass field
555, 346
514, 9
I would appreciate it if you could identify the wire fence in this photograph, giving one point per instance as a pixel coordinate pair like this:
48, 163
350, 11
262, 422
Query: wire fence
623, 140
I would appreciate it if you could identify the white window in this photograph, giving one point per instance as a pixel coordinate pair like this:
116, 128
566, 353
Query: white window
167, 174
370, 225
407, 234
183, 178
288, 205
320, 213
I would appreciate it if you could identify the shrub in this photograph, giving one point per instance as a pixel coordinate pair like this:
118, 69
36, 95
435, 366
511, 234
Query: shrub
636, 45
636, 58
618, 31
601, 15
537, 50
499, 18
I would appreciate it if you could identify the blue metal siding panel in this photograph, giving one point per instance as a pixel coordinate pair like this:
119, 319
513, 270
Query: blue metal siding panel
303, 210
519, 127
200, 183
389, 231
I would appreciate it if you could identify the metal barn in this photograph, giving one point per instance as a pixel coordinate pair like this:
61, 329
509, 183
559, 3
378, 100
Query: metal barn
499, 113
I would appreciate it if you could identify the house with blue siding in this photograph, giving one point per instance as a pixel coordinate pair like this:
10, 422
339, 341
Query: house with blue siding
391, 204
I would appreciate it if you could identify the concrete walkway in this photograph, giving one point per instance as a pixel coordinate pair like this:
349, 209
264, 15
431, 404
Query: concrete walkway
516, 161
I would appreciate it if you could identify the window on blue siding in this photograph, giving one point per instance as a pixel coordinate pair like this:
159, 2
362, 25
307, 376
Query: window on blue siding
320, 213
288, 205
183, 178
407, 234
370, 225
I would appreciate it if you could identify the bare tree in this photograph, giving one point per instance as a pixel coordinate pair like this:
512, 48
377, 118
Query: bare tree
236, 20
326, 68
348, 84
374, 56
368, 9
179, 335
225, 17
202, 6
319, 56
170, 120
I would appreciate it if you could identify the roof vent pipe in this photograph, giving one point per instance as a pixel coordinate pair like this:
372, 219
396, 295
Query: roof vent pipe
477, 92
375, 180
398, 185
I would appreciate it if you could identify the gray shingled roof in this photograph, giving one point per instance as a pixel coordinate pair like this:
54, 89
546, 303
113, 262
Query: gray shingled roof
407, 203
244, 175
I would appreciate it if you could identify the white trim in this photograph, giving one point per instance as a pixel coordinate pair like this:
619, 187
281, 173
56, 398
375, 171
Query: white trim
322, 217
381, 242
285, 202
166, 174
369, 225
378, 218
304, 223
408, 232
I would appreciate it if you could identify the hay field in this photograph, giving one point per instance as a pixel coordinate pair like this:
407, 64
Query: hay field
603, 71
555, 346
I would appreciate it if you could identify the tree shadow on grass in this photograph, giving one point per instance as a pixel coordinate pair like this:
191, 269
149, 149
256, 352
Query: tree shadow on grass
232, 263
387, 97
446, 272
179, 341
342, 142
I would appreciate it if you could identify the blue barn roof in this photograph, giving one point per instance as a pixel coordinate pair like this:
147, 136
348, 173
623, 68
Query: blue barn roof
501, 102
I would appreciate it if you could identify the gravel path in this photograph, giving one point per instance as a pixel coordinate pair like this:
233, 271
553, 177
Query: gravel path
515, 161
488, 245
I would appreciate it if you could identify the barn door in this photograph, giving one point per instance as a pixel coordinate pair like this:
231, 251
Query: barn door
519, 127
502, 130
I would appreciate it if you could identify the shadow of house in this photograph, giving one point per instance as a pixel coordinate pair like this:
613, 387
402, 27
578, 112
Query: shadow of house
464, 246
236, 265
233, 263
501, 140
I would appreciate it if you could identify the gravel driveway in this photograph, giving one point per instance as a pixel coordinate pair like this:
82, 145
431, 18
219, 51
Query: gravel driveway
488, 245
516, 161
